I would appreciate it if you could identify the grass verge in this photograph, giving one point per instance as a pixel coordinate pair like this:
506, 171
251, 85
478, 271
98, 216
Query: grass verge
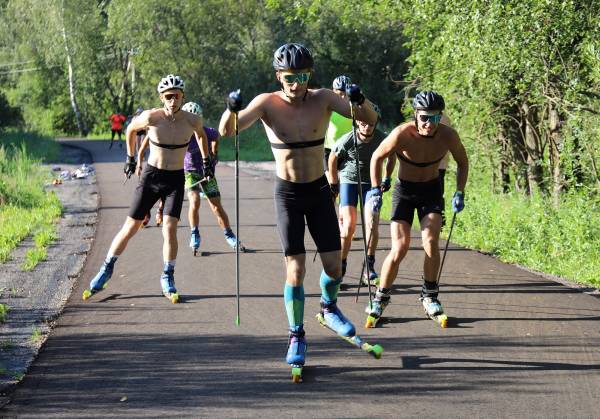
26, 208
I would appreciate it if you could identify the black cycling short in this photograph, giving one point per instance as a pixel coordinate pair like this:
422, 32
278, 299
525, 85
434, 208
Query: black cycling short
295, 202
156, 184
425, 197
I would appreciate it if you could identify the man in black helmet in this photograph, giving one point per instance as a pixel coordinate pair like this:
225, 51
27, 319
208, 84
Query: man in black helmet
295, 120
420, 145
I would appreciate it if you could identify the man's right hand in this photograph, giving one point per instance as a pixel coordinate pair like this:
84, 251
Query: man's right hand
234, 101
374, 199
355, 95
130, 165
387, 184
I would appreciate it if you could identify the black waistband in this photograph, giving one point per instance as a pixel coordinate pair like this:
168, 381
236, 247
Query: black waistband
169, 146
301, 144
424, 164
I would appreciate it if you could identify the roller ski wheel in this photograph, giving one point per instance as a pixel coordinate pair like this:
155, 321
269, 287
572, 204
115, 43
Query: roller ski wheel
296, 352
173, 297
87, 294
434, 311
297, 373
374, 350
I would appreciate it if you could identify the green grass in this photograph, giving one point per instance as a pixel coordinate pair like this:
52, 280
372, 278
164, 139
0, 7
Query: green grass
33, 257
26, 207
36, 334
3, 312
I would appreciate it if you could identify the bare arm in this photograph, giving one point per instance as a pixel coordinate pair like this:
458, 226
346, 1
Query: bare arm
137, 124
390, 165
200, 135
341, 105
141, 151
215, 146
462, 162
332, 165
246, 117
385, 149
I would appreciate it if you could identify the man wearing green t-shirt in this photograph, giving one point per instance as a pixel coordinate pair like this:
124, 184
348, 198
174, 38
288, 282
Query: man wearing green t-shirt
338, 124
343, 173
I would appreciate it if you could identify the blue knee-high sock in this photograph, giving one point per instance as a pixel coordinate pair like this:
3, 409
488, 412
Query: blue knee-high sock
294, 305
329, 287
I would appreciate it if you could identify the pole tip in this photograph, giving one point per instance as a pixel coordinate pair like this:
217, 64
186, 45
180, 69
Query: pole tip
237, 320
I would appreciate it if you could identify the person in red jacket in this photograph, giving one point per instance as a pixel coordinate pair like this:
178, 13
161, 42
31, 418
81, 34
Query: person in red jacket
116, 125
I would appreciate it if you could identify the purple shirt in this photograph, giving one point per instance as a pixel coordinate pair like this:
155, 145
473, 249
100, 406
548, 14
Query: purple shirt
193, 157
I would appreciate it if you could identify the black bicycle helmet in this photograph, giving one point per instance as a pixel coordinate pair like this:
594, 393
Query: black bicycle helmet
428, 100
340, 82
292, 57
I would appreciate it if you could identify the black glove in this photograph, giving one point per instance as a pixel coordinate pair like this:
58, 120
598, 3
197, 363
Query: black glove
207, 167
130, 165
387, 184
355, 95
335, 189
234, 101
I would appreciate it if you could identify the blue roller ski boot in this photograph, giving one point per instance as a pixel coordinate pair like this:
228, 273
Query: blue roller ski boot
195, 240
373, 276
232, 241
332, 318
167, 283
296, 353
98, 283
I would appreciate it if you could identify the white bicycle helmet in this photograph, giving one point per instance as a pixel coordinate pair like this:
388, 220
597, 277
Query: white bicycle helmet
170, 82
192, 107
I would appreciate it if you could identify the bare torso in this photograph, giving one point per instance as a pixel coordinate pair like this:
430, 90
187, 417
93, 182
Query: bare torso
164, 130
420, 149
290, 123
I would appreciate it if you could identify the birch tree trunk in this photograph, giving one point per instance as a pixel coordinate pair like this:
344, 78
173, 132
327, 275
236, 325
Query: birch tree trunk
71, 75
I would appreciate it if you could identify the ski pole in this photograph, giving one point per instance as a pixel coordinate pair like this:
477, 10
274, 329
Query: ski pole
446, 249
362, 271
362, 204
237, 219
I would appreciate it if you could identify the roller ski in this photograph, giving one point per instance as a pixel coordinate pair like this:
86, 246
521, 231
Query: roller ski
232, 241
332, 318
296, 353
370, 277
375, 309
434, 311
99, 282
195, 240
167, 283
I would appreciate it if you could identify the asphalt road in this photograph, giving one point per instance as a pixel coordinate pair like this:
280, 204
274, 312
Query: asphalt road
518, 345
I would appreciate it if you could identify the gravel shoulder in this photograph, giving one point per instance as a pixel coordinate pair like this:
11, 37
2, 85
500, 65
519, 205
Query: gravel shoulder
35, 299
